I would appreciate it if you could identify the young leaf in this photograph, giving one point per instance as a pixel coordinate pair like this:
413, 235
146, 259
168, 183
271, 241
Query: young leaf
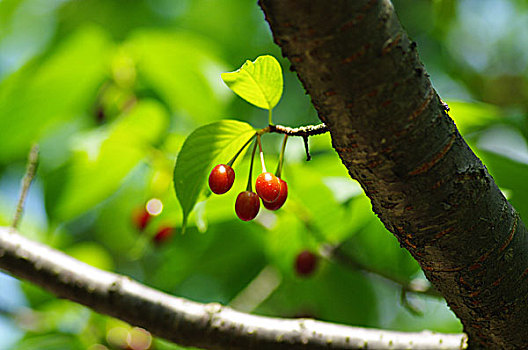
259, 82
202, 150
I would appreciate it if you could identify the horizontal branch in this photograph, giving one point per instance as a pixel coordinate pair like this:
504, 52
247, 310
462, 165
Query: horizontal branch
208, 326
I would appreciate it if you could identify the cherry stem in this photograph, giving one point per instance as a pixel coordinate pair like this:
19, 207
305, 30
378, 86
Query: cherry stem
249, 188
281, 157
269, 117
307, 148
230, 163
261, 155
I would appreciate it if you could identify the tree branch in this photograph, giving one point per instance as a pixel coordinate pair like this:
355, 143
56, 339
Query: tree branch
208, 326
304, 131
393, 134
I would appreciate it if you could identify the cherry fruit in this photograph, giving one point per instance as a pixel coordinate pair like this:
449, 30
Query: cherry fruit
305, 263
247, 205
268, 187
221, 178
141, 218
163, 234
277, 203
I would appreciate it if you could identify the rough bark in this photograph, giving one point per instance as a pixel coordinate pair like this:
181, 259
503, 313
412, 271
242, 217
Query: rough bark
393, 134
207, 326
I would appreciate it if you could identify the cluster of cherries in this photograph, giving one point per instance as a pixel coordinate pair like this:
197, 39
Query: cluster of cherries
272, 190
269, 187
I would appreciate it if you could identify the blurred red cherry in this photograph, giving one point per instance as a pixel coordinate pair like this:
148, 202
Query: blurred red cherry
141, 218
306, 263
163, 234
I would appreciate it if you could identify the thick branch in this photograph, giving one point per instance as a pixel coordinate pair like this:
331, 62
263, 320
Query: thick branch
208, 326
393, 134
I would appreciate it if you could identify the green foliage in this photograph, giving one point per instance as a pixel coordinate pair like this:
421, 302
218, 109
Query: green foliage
50, 341
472, 116
510, 175
38, 97
119, 147
112, 89
207, 146
259, 82
173, 65
93, 254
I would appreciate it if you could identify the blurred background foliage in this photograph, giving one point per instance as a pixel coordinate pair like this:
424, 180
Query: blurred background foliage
111, 88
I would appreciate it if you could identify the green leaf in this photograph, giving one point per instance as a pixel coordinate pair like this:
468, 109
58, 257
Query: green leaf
35, 100
469, 116
259, 82
178, 66
93, 254
49, 341
388, 257
210, 144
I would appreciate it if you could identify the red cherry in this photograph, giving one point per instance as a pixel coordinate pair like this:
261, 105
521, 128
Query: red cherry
277, 203
163, 234
221, 178
141, 218
305, 263
247, 205
268, 187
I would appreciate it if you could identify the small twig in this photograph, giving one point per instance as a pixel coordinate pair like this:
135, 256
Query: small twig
31, 168
303, 131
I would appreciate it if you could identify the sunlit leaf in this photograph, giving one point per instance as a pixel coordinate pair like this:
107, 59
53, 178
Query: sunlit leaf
471, 115
93, 254
213, 143
259, 82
